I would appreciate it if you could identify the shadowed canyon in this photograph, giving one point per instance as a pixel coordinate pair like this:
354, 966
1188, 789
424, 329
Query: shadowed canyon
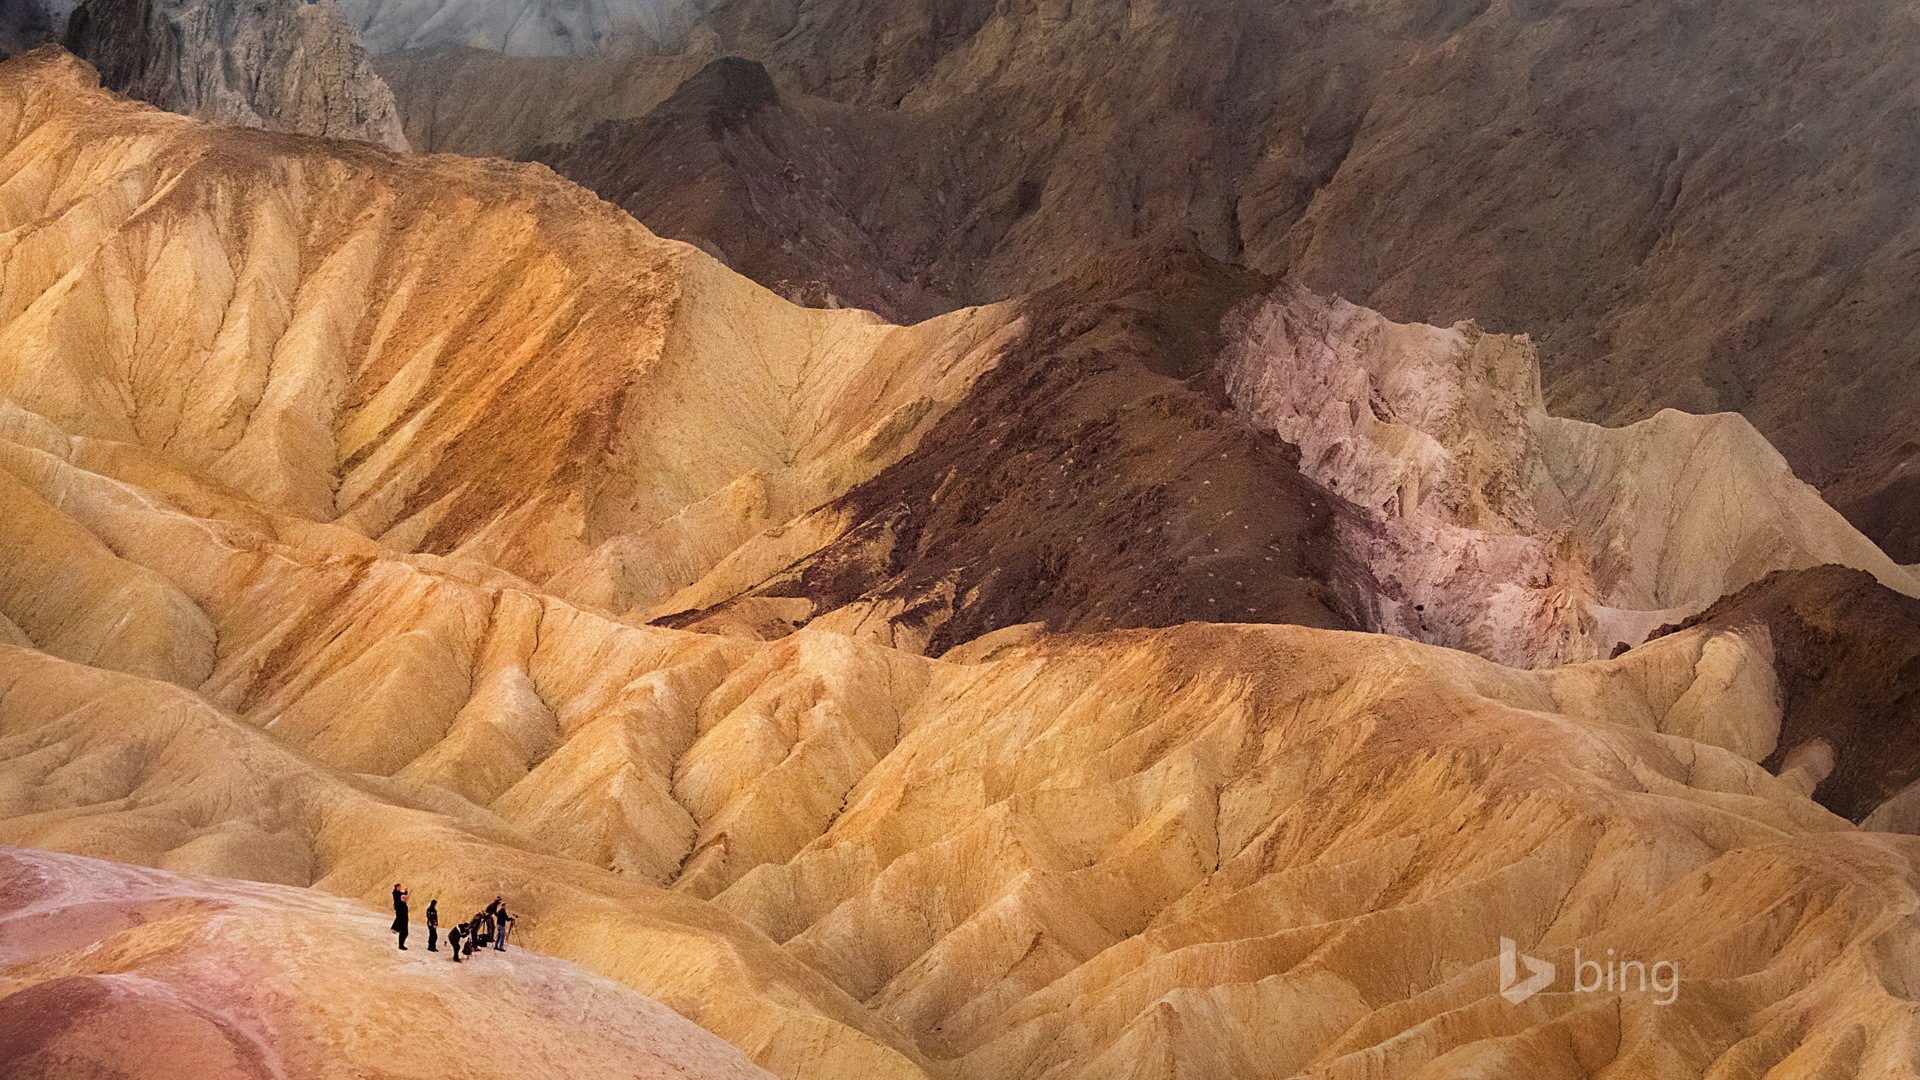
954, 541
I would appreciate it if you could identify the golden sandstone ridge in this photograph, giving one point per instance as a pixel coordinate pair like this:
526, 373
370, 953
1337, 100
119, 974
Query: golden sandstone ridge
398, 343
336, 487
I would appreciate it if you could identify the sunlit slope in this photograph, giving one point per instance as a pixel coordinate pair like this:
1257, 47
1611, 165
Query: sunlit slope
110, 970
1247, 850
441, 353
1094, 852
112, 766
1225, 851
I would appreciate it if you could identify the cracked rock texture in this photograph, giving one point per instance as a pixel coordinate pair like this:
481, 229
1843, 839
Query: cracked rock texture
283, 65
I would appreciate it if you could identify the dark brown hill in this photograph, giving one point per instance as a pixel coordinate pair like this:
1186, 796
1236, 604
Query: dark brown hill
1847, 654
780, 187
1092, 480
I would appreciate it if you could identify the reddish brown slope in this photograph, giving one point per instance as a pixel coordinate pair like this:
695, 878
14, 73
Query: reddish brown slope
1092, 480
1847, 653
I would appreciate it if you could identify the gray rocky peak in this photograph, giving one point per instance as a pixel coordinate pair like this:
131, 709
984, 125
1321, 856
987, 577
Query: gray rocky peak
284, 65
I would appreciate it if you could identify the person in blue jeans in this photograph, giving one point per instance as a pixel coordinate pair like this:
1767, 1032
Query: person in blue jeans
501, 920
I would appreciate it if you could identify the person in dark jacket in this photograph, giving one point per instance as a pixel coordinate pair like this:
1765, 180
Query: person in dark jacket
498, 912
433, 926
400, 913
453, 939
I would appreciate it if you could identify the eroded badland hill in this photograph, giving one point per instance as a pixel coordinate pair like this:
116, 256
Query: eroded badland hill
1170, 669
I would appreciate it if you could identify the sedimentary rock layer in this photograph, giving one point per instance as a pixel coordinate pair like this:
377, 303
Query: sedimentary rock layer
1093, 480
1173, 440
1490, 525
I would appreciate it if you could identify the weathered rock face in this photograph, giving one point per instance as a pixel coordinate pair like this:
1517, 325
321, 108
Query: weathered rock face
1172, 440
444, 355
283, 65
518, 27
105, 972
1678, 222
1489, 525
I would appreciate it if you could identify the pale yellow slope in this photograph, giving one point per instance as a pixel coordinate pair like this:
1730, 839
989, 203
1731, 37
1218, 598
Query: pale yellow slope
1239, 851
1248, 850
441, 352
1242, 851
112, 766
110, 970
568, 725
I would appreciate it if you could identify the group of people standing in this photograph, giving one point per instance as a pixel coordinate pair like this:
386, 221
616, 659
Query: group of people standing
489, 927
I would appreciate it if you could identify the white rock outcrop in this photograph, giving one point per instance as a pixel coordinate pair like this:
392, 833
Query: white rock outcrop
1494, 527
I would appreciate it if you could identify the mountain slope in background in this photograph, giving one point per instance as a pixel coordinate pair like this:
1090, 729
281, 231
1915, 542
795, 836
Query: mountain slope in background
24, 26
518, 27
783, 189
1675, 202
